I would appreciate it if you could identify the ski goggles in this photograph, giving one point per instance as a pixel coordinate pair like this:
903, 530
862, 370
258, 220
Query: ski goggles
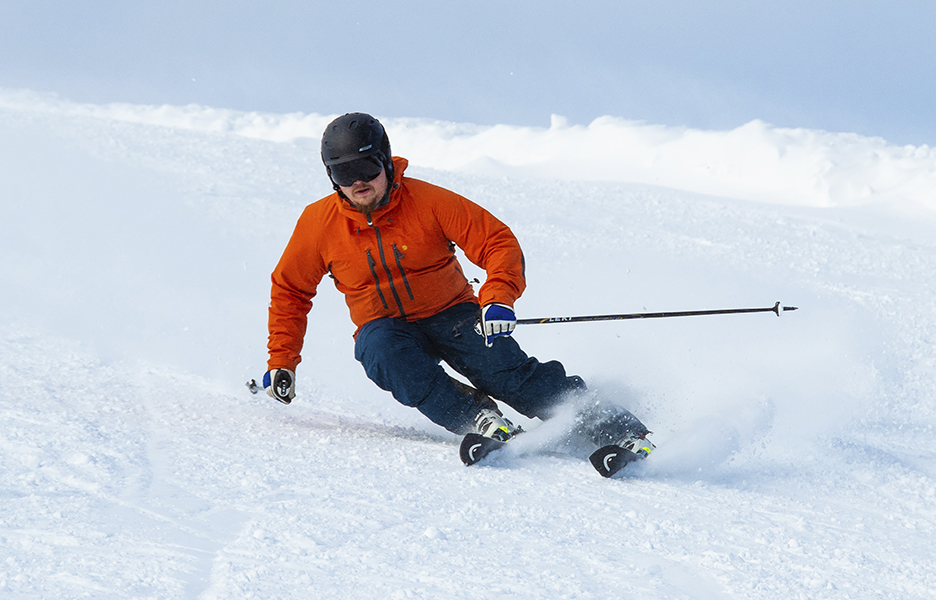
362, 169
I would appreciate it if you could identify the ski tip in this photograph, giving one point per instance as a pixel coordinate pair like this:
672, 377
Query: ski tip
474, 447
608, 460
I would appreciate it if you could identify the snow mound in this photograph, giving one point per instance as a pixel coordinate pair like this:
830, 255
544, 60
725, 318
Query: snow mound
756, 161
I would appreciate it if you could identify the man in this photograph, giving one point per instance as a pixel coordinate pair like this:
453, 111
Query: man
388, 242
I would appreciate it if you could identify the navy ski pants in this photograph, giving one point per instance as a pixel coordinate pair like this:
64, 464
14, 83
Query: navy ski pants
403, 357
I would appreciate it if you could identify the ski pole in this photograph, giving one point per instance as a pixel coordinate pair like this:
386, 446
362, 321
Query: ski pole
776, 308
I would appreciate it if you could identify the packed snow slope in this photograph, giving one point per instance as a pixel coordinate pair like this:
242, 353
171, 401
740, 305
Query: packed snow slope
795, 455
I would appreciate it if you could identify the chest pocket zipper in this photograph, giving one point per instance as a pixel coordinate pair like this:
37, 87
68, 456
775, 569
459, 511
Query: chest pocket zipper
397, 255
373, 269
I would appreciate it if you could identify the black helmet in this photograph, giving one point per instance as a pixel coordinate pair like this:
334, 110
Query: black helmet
355, 136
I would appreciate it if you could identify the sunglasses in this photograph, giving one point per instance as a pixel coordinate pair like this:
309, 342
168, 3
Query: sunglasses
363, 169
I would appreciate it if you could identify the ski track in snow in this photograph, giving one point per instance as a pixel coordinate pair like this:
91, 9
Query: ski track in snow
795, 455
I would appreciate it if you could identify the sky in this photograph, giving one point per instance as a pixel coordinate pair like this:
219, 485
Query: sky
860, 66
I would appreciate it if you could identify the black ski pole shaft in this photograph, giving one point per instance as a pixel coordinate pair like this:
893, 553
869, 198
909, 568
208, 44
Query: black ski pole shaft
776, 309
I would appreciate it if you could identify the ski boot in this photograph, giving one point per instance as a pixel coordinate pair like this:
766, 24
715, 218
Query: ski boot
492, 431
621, 438
492, 424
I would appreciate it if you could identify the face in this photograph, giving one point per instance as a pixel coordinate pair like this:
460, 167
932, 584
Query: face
365, 195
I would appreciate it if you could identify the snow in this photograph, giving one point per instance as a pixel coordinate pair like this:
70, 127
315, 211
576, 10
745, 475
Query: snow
795, 455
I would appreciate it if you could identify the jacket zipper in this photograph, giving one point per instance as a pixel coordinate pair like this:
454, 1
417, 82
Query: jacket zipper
373, 270
399, 255
383, 261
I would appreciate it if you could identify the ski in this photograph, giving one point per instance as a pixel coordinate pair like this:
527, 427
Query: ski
610, 459
607, 460
474, 447
619, 436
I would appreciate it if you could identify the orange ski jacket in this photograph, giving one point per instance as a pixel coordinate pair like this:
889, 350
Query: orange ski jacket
397, 262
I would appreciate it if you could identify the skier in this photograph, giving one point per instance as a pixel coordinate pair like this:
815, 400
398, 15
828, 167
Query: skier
388, 242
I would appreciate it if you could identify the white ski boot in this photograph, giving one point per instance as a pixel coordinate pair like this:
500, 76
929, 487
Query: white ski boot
639, 445
491, 424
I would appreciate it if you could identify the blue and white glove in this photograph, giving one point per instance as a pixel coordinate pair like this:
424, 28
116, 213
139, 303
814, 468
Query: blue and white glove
496, 320
280, 384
